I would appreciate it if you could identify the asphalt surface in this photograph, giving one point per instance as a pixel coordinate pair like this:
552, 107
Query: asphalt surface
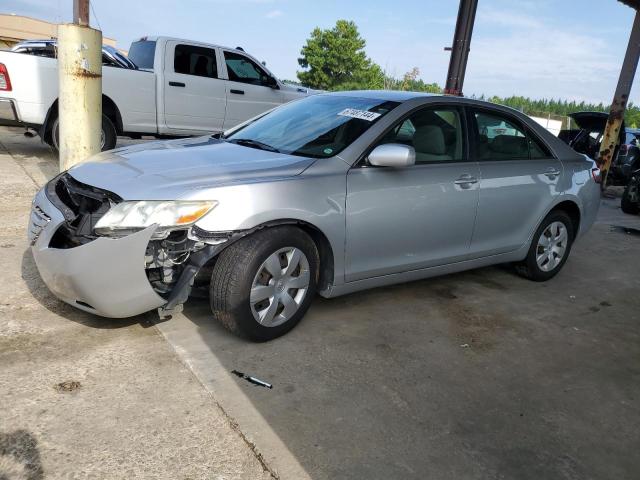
476, 375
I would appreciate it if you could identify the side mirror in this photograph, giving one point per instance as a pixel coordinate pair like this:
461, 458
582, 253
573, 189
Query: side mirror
272, 83
392, 155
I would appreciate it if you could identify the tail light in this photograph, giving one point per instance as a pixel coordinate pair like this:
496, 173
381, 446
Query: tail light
5, 81
596, 174
624, 148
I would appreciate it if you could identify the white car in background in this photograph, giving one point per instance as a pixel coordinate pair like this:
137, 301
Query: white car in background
180, 87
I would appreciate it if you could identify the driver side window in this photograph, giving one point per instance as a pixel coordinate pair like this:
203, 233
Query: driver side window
243, 69
435, 134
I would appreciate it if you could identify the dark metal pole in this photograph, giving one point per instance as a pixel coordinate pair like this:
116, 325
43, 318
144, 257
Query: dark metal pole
611, 136
460, 48
81, 12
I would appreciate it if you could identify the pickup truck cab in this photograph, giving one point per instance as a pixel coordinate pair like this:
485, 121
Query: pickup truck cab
180, 88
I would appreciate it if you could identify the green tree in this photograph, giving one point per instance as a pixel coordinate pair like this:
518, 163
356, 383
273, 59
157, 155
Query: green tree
335, 59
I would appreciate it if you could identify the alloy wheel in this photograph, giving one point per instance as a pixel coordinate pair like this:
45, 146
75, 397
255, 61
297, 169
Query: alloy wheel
552, 246
279, 287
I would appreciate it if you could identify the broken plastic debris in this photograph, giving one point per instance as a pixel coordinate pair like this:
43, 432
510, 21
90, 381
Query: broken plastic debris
465, 345
250, 379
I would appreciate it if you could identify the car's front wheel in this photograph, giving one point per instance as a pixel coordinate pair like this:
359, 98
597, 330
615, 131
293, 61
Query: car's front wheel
262, 285
549, 248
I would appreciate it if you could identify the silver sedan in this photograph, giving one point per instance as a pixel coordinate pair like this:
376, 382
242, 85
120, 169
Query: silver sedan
330, 194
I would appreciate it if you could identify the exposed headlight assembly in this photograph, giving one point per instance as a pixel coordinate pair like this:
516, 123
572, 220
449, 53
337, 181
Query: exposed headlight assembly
127, 217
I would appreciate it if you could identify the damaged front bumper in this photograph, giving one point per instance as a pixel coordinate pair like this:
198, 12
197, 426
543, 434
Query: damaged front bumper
105, 276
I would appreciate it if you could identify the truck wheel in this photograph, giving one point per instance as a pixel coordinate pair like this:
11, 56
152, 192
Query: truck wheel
262, 285
627, 204
549, 248
107, 141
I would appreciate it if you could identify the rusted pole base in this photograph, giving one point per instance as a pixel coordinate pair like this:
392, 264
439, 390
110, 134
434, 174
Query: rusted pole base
80, 97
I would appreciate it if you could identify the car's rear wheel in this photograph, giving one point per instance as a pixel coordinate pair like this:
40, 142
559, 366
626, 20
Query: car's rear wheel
549, 248
262, 285
108, 135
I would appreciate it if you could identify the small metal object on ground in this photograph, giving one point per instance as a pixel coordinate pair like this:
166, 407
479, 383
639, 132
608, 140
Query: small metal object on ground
250, 379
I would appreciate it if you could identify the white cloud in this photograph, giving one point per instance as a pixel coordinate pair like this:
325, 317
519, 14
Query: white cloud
274, 14
529, 56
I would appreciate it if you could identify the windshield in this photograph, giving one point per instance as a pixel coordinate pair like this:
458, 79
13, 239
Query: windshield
142, 53
320, 126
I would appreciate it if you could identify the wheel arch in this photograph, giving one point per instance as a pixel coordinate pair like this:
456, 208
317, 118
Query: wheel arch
572, 209
109, 109
325, 250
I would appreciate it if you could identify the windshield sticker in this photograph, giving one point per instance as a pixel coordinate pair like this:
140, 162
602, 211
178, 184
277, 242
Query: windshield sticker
361, 114
328, 151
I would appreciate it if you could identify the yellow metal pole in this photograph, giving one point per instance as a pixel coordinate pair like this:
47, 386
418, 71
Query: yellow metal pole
80, 95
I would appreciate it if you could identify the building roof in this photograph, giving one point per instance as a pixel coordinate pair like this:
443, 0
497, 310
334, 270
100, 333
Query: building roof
17, 28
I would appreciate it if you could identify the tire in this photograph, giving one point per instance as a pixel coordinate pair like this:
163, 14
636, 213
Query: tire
529, 267
240, 269
109, 134
627, 205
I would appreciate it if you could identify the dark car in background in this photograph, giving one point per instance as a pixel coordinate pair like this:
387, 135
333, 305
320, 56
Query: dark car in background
111, 57
586, 138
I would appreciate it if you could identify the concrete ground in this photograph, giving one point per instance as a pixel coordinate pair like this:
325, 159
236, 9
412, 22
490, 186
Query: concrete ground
85, 397
476, 375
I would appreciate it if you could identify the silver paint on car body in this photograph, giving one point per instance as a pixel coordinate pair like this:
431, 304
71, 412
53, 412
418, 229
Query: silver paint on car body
383, 225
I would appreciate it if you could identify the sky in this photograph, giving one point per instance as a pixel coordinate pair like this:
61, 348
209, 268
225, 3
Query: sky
569, 49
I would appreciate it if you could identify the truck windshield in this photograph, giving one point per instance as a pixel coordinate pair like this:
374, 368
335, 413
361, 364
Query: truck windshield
142, 53
319, 126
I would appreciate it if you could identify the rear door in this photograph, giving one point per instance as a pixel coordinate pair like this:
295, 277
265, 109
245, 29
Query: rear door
519, 179
248, 89
194, 93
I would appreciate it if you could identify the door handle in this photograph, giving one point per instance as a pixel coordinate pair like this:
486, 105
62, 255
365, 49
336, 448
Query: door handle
552, 172
465, 180
176, 84
237, 92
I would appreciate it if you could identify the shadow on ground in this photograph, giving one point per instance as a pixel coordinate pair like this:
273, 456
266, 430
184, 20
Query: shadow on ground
19, 456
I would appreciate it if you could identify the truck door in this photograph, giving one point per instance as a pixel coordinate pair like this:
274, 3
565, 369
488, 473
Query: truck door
194, 94
250, 89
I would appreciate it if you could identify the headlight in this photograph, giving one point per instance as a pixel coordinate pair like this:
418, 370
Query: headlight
127, 217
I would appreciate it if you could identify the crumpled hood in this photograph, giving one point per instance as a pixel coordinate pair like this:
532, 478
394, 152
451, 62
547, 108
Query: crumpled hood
169, 170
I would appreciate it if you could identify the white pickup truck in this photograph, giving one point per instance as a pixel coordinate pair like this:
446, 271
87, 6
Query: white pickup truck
181, 87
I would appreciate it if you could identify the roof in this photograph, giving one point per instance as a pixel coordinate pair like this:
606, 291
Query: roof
19, 27
387, 95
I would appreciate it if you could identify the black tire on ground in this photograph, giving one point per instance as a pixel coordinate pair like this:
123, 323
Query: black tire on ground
108, 130
626, 204
235, 270
529, 268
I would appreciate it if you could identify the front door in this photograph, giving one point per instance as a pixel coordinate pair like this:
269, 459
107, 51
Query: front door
401, 219
194, 95
519, 179
248, 89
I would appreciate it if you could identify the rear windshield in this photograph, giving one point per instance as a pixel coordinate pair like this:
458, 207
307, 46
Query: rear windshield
319, 126
142, 53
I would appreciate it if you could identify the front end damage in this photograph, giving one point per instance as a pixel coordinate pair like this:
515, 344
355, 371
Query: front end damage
113, 276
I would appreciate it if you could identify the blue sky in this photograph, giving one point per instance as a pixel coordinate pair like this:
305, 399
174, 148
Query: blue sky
539, 48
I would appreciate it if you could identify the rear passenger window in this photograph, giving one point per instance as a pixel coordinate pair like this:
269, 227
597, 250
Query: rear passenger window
198, 61
434, 133
499, 138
